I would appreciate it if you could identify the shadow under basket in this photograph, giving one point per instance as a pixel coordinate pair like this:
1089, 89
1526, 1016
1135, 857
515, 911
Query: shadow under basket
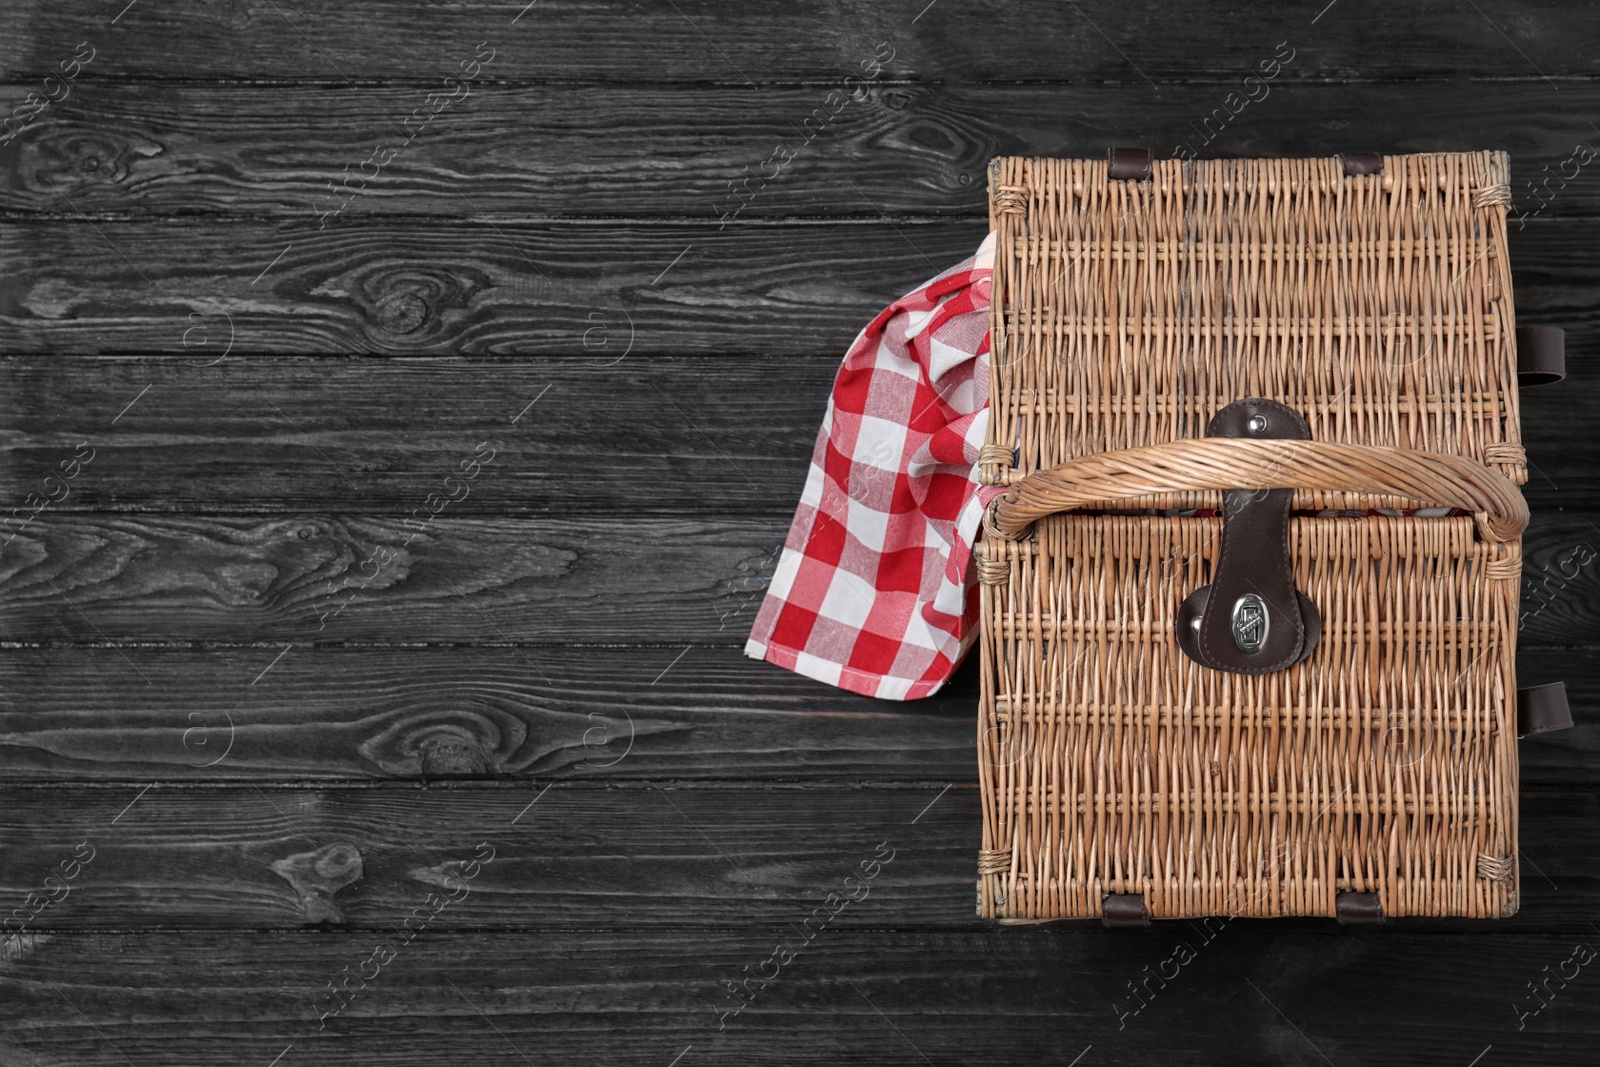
1250, 600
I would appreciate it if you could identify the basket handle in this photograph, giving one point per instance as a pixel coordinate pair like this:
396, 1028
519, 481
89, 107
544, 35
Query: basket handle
1229, 463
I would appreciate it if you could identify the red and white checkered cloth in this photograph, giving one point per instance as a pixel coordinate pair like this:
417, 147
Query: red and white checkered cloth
873, 592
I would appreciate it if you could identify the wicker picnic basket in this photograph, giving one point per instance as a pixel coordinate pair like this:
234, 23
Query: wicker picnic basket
1250, 602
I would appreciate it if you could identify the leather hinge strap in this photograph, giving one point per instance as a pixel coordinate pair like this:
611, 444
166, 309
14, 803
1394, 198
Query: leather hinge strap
1251, 619
1124, 909
1543, 709
1541, 355
1358, 908
1130, 164
1356, 164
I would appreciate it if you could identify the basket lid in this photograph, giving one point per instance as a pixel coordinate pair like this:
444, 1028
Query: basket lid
1131, 303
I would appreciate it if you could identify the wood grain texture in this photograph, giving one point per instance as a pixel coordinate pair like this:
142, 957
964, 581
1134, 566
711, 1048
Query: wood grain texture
331, 579
1284, 993
668, 437
168, 148
575, 621
334, 579
81, 713
597, 854
735, 44
689, 437
438, 287
584, 853
76, 713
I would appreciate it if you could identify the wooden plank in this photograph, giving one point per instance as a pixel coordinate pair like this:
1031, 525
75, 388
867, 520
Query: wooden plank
686, 437
696, 713
861, 997
1042, 994
598, 853
527, 152
733, 44
692, 437
449, 287
588, 853
685, 712
321, 579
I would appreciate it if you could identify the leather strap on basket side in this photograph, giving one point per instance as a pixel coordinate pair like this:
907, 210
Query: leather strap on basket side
1541, 355
1130, 164
1251, 619
1124, 909
1360, 164
1351, 907
1543, 709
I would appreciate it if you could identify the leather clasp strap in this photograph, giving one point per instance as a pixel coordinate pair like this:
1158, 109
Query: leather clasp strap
1251, 619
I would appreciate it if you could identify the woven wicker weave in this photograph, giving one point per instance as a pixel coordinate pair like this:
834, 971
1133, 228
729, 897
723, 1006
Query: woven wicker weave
1126, 314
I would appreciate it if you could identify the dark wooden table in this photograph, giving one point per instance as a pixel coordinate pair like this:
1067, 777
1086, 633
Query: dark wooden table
311, 755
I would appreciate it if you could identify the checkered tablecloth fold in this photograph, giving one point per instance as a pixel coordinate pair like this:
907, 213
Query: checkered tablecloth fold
873, 591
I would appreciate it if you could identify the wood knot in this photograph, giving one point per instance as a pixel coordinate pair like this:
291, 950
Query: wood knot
317, 876
407, 303
403, 313
457, 743
62, 158
446, 755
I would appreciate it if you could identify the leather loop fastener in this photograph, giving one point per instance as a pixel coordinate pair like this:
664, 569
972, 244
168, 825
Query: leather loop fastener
1251, 619
1360, 163
1543, 709
1130, 164
1358, 908
1541, 355
1124, 909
